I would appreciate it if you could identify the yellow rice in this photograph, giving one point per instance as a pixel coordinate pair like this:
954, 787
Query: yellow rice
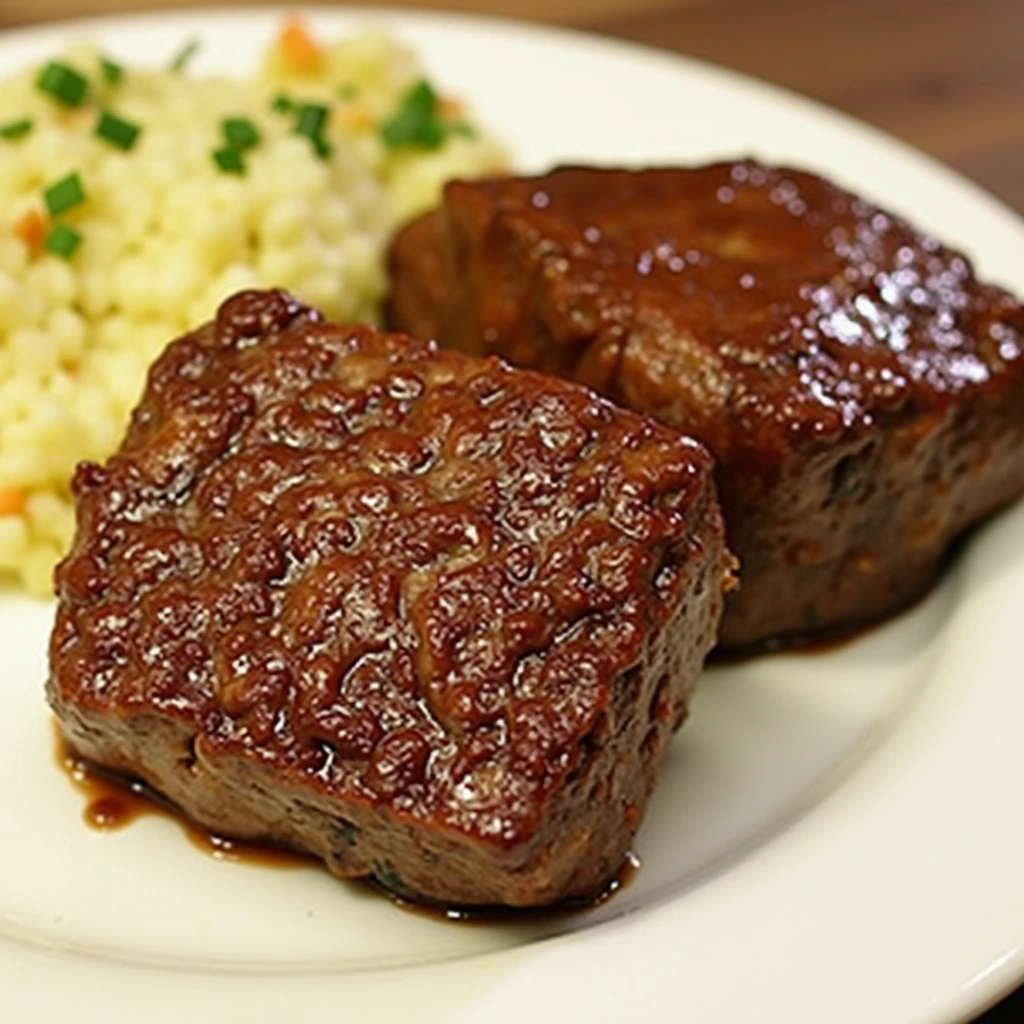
166, 235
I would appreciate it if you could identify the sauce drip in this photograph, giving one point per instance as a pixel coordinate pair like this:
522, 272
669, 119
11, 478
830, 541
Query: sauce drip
113, 801
497, 914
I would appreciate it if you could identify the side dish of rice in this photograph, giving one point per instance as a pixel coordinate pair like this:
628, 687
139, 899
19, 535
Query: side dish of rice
133, 200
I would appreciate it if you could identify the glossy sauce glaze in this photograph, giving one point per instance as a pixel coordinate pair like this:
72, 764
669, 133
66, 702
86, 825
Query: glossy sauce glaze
114, 802
801, 310
429, 616
860, 388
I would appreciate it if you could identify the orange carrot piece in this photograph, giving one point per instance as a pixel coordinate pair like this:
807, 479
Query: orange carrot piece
30, 227
451, 109
298, 46
354, 117
12, 501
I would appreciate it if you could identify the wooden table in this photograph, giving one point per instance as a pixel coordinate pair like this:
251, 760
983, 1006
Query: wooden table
946, 76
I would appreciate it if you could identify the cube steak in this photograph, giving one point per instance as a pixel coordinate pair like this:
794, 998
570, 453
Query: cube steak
862, 392
423, 616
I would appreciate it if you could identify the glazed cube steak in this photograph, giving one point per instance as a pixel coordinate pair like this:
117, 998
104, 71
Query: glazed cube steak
863, 394
424, 616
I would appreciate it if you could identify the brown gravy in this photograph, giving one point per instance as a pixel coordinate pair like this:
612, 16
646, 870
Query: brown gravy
515, 915
114, 801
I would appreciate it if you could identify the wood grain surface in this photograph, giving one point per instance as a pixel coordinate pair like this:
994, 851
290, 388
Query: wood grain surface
946, 76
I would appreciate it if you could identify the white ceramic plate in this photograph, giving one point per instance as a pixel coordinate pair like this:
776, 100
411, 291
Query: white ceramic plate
837, 837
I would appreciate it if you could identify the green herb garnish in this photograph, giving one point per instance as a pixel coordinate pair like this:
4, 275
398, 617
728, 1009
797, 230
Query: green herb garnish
310, 119
117, 131
63, 195
283, 103
62, 241
240, 133
63, 83
16, 129
111, 71
185, 55
321, 146
229, 160
417, 122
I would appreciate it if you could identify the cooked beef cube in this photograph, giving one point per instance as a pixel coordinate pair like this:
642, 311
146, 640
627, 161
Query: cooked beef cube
426, 617
862, 392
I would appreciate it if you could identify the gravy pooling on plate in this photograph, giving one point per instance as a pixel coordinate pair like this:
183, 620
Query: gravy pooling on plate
427, 617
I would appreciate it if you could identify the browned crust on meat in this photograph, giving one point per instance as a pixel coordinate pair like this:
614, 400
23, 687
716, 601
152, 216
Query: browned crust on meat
423, 616
860, 389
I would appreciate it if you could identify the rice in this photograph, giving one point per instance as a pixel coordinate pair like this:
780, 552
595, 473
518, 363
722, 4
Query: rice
166, 234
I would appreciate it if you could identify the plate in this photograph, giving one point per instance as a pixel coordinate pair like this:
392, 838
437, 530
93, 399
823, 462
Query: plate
837, 835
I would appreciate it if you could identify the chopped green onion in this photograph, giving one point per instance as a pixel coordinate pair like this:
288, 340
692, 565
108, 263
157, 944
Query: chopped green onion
347, 91
111, 71
417, 122
229, 160
64, 195
240, 133
310, 119
283, 103
185, 55
117, 131
62, 241
16, 129
321, 146
63, 83
463, 129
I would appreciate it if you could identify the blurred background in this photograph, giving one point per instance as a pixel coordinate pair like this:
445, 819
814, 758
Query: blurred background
947, 76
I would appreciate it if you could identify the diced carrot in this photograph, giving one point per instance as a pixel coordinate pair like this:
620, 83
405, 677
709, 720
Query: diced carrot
12, 501
355, 117
30, 227
298, 46
451, 110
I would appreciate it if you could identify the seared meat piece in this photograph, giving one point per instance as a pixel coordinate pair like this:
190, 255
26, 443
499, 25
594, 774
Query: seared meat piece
862, 392
424, 616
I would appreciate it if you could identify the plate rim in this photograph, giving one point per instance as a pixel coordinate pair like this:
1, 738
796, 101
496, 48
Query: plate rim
1001, 978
